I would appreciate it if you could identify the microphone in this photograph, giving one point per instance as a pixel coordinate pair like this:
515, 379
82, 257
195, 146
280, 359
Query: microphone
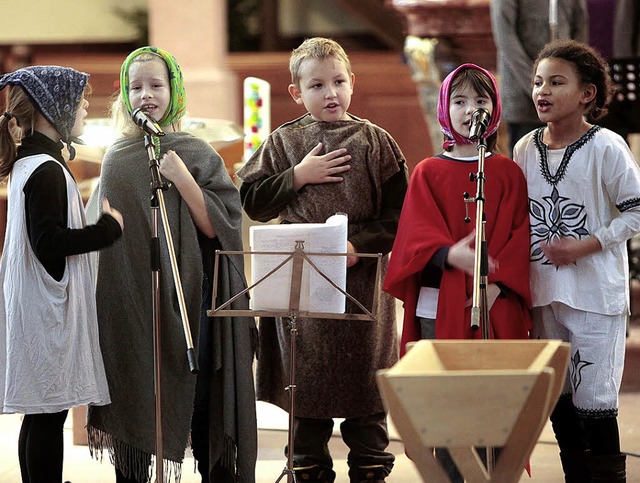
146, 122
479, 122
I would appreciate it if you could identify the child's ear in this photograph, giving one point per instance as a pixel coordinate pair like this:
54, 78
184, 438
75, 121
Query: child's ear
588, 93
295, 93
353, 81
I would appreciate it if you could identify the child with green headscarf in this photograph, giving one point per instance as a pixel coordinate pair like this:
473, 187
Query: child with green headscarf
216, 408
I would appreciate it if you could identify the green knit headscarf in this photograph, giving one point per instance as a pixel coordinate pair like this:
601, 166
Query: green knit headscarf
178, 101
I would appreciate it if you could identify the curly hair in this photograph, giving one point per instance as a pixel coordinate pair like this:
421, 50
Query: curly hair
590, 67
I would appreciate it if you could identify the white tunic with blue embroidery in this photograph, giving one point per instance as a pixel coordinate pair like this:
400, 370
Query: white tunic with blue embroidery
592, 189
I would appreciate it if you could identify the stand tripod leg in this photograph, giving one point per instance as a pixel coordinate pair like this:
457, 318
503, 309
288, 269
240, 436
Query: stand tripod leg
157, 344
288, 470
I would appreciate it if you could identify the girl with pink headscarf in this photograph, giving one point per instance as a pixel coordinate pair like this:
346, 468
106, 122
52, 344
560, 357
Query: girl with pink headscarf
431, 266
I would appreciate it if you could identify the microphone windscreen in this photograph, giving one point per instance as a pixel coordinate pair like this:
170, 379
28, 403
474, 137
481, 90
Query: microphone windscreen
146, 122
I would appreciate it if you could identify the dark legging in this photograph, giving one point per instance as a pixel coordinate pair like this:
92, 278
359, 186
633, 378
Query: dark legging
41, 447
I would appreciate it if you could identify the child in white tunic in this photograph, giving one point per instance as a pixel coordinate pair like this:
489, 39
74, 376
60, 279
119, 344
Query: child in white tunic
584, 204
49, 351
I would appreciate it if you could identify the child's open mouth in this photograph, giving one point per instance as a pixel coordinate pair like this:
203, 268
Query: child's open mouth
543, 105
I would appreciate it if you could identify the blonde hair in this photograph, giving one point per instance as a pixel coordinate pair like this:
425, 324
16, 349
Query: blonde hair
120, 115
318, 48
20, 122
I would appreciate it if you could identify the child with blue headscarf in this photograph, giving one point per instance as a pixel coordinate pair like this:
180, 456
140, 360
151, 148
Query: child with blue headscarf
50, 357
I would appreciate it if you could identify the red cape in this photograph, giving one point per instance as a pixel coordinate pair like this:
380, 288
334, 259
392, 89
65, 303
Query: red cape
433, 217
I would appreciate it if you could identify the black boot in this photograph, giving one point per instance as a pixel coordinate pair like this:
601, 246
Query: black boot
314, 473
449, 466
572, 440
608, 468
368, 474
574, 465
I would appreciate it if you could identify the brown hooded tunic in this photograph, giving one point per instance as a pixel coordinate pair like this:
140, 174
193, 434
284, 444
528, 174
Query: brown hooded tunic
337, 359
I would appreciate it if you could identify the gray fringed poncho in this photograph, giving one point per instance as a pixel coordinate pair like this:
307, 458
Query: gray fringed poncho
126, 427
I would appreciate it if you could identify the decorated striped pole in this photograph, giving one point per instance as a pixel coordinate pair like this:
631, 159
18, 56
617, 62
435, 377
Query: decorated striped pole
257, 114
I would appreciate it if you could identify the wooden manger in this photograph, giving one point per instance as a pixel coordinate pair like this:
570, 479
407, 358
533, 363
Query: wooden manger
467, 394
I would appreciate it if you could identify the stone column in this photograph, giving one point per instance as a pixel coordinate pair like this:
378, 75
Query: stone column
195, 32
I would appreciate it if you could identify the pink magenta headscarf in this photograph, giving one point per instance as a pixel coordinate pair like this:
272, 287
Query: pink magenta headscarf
443, 108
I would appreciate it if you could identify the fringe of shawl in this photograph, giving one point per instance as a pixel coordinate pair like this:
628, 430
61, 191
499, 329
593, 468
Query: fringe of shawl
228, 458
131, 461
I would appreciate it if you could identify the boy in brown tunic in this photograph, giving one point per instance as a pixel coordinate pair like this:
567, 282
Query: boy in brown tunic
308, 169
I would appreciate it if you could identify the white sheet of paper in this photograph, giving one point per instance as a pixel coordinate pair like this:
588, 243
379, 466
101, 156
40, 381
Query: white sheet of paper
427, 305
316, 294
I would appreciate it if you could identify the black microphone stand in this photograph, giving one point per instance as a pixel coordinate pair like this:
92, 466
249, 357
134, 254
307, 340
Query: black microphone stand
479, 308
479, 312
158, 205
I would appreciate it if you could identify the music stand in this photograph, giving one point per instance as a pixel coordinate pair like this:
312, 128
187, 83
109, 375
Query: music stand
297, 258
624, 110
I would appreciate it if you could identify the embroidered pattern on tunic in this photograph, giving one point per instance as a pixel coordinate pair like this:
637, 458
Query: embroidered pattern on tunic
627, 205
577, 366
557, 217
554, 179
597, 413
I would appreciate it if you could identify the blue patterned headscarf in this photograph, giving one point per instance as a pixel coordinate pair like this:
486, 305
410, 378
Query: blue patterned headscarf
56, 91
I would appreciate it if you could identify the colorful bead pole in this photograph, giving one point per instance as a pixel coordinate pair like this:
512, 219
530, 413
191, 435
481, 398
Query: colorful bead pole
257, 114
